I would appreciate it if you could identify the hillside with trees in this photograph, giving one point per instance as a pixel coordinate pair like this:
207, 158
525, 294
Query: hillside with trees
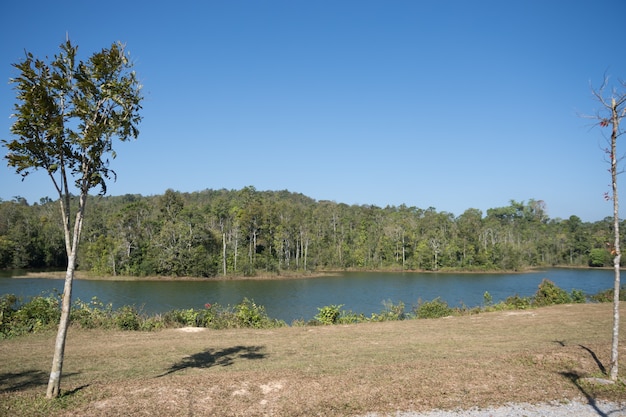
248, 232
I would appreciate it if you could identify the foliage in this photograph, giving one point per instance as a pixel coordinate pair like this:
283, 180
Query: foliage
187, 234
391, 312
578, 296
91, 315
17, 318
249, 314
607, 295
487, 299
328, 314
549, 294
433, 309
599, 257
515, 302
127, 318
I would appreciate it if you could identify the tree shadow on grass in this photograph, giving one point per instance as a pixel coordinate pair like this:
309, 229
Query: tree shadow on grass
577, 379
32, 378
212, 357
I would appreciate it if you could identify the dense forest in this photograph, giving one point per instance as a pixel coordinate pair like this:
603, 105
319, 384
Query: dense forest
248, 232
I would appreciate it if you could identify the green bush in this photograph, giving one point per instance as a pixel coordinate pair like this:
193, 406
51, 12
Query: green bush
39, 313
328, 314
91, 315
127, 318
515, 302
599, 257
578, 296
390, 312
433, 309
606, 296
249, 314
549, 294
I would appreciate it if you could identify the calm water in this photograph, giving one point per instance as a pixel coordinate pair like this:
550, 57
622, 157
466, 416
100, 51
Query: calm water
299, 298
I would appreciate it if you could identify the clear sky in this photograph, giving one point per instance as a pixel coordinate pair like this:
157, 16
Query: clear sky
444, 104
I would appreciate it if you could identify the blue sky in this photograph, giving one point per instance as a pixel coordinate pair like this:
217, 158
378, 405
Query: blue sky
444, 104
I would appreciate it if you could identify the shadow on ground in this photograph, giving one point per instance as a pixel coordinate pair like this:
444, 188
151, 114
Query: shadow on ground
16, 381
577, 379
213, 357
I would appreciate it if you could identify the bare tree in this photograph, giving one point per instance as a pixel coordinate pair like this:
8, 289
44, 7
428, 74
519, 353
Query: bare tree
612, 110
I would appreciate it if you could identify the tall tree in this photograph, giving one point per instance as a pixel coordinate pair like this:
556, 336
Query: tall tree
67, 114
612, 110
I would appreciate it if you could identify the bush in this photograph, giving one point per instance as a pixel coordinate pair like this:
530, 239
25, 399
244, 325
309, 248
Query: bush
549, 294
515, 302
578, 296
390, 312
127, 318
599, 257
250, 315
607, 295
328, 314
433, 309
39, 313
91, 315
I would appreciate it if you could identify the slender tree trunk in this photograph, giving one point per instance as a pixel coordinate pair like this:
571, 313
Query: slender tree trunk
616, 261
54, 383
224, 252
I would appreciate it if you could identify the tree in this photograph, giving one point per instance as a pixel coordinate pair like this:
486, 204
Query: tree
612, 110
67, 115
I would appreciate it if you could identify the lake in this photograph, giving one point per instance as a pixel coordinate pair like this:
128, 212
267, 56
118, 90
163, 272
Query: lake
291, 299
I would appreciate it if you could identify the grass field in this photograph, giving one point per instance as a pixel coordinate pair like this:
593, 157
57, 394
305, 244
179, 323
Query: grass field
481, 360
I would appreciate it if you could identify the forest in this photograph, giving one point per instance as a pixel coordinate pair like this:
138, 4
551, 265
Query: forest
249, 232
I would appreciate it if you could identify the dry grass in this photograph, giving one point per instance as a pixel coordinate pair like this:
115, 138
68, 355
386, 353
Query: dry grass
480, 360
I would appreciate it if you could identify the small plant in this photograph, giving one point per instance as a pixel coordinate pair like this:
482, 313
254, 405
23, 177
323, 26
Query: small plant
433, 309
94, 314
390, 312
328, 314
127, 318
249, 314
578, 296
515, 302
606, 296
487, 299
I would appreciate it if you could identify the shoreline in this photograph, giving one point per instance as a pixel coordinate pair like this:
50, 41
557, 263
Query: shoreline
87, 276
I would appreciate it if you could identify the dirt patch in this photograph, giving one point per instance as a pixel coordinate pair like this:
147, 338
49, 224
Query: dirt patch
191, 329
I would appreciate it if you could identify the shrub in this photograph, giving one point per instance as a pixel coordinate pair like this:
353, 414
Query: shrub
185, 317
549, 294
433, 309
487, 299
390, 312
37, 314
515, 302
249, 314
328, 314
92, 315
606, 296
127, 318
349, 317
578, 296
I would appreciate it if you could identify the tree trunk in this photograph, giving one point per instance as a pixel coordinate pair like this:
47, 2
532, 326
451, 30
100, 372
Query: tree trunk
54, 383
224, 252
616, 261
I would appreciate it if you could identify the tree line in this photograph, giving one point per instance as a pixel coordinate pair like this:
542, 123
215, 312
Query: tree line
247, 232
